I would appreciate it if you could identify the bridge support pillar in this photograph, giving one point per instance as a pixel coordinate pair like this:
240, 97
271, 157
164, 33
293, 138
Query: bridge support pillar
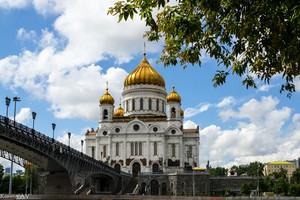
58, 183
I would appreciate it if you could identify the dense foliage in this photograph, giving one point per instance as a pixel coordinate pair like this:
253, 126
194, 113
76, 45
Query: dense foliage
252, 39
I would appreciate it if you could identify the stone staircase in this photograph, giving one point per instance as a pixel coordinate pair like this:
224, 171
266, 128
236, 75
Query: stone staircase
132, 187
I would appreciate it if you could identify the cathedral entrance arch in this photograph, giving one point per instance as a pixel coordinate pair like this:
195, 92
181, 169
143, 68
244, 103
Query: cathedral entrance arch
118, 167
155, 168
154, 187
164, 188
136, 168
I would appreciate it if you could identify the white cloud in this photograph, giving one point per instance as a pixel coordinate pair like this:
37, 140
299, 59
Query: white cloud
226, 102
75, 94
258, 135
189, 124
62, 68
190, 112
75, 140
24, 115
13, 4
22, 34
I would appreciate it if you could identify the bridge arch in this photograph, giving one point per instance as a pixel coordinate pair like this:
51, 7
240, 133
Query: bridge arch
57, 159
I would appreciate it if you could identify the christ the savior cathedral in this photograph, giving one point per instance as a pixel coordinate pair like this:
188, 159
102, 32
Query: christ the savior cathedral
145, 133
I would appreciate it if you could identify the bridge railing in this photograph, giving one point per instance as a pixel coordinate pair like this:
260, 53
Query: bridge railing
22, 129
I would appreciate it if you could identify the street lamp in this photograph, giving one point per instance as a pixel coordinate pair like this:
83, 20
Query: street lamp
81, 146
15, 99
7, 102
53, 128
33, 118
69, 136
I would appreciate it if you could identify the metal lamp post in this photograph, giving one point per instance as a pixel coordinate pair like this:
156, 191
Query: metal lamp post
69, 136
53, 128
81, 146
7, 102
15, 99
33, 118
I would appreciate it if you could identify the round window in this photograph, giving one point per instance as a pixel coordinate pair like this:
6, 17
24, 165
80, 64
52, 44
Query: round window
117, 130
173, 131
104, 132
136, 127
155, 129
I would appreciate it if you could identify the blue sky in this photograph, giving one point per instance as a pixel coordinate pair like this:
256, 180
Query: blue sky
57, 56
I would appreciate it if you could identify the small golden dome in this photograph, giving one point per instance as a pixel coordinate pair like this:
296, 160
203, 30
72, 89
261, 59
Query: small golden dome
119, 112
173, 97
181, 112
107, 98
144, 74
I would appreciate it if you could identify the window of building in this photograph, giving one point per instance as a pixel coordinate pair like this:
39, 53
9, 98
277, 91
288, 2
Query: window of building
126, 106
150, 104
104, 151
155, 148
163, 106
140, 148
93, 152
132, 149
117, 149
173, 150
173, 112
157, 105
136, 148
133, 104
105, 114
141, 104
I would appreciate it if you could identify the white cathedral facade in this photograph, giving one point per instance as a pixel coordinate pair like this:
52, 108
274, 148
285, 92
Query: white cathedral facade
145, 133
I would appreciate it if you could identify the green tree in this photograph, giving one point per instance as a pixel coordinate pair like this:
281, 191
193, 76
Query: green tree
252, 39
281, 174
294, 190
267, 184
30, 176
218, 171
246, 188
281, 186
239, 169
296, 176
255, 169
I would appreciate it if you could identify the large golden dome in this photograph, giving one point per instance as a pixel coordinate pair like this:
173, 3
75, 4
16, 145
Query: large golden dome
173, 97
119, 112
144, 74
107, 98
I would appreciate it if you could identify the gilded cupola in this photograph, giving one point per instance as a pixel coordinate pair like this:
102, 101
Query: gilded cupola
173, 97
144, 74
119, 112
181, 112
107, 98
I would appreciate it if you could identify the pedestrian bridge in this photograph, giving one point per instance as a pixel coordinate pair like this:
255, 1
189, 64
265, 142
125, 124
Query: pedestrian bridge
65, 169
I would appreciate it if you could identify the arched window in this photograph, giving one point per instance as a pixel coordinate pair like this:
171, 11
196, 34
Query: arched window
163, 106
126, 105
140, 148
133, 104
173, 112
104, 151
157, 105
117, 149
150, 104
132, 148
93, 152
155, 148
105, 114
141, 104
173, 150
